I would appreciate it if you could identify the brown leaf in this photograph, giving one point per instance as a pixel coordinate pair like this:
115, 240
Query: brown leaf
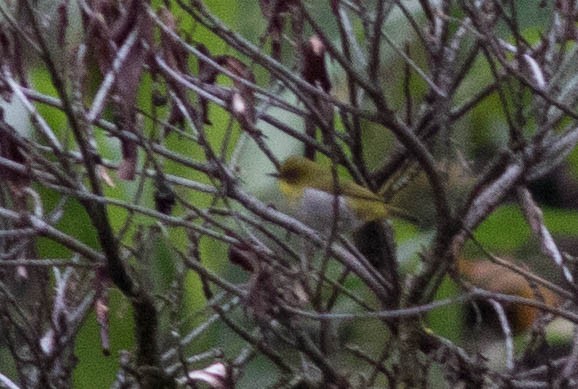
496, 278
314, 70
274, 11
271, 8
107, 26
207, 74
98, 16
11, 56
127, 167
272, 288
176, 57
164, 197
242, 102
243, 257
175, 54
101, 309
9, 149
127, 84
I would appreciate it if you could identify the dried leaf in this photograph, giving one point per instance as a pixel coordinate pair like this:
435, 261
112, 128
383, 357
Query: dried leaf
107, 26
98, 16
314, 70
242, 101
9, 149
127, 84
207, 74
164, 197
176, 57
535, 72
103, 174
127, 167
101, 309
175, 54
217, 376
243, 257
274, 11
496, 278
272, 288
12, 58
272, 8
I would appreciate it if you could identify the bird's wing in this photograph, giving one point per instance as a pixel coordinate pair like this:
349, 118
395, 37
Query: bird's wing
376, 206
359, 192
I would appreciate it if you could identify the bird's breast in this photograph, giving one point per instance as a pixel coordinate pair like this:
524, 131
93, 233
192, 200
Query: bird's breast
291, 192
321, 210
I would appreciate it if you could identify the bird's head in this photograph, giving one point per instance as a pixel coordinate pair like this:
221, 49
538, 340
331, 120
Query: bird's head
298, 171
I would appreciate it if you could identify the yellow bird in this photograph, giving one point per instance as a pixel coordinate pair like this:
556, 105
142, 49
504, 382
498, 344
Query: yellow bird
318, 200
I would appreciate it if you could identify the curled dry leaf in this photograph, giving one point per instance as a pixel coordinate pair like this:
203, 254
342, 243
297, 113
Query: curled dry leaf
103, 174
176, 57
217, 376
11, 58
175, 54
164, 197
108, 25
242, 102
274, 11
313, 68
207, 74
535, 72
242, 99
272, 288
9, 149
243, 257
127, 88
101, 309
313, 71
276, 8
496, 278
18, 183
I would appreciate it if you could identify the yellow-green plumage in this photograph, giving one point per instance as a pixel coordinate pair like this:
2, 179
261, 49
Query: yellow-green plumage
298, 174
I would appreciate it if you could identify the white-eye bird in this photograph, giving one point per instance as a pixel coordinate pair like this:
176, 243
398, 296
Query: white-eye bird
318, 200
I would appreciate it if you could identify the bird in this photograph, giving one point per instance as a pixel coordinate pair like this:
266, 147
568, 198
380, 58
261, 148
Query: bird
318, 200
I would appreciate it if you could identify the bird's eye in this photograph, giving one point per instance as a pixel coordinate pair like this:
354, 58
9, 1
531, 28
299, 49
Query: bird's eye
290, 175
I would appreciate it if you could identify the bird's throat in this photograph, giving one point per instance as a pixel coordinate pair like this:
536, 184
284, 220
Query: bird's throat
291, 192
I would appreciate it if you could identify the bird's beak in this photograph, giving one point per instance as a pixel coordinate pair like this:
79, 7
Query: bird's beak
276, 175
